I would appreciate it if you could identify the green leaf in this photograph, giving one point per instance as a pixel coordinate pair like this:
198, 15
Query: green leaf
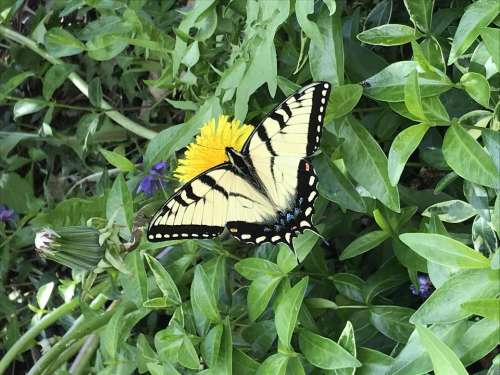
192, 55
95, 92
444, 250
477, 15
348, 342
273, 365
25, 107
454, 211
332, 6
420, 13
224, 363
286, 260
288, 311
302, 10
12, 83
211, 345
202, 296
119, 206
477, 87
364, 243
166, 368
164, 280
55, 77
135, 284
490, 37
443, 358
392, 321
349, 285
61, 43
118, 161
43, 294
243, 364
259, 294
105, 46
388, 35
468, 159
433, 109
374, 362
401, 149
326, 59
252, 268
187, 354
367, 163
342, 100
336, 187
487, 307
461, 287
413, 100
388, 84
325, 353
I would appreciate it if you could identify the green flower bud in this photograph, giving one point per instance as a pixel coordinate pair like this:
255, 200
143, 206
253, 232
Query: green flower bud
75, 247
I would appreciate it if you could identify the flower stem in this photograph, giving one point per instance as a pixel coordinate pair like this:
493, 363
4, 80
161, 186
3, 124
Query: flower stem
79, 83
81, 361
34, 331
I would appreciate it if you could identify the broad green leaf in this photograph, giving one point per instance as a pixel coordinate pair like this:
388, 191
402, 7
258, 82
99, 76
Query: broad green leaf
288, 311
60, 43
325, 353
444, 360
252, 268
379, 15
273, 365
461, 287
119, 206
55, 77
420, 13
25, 107
106, 46
348, 342
392, 321
302, 10
192, 55
367, 163
483, 237
187, 354
135, 284
454, 211
118, 161
211, 344
166, 368
286, 260
95, 92
433, 109
490, 37
243, 364
401, 149
224, 363
9, 85
374, 362
477, 15
477, 196
336, 187
259, 294
487, 307
326, 60
163, 279
468, 159
349, 285
342, 100
332, 6
202, 295
477, 87
388, 84
364, 243
413, 100
388, 35
176, 137
444, 250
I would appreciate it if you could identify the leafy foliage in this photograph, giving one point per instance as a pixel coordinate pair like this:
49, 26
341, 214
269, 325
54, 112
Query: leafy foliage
95, 96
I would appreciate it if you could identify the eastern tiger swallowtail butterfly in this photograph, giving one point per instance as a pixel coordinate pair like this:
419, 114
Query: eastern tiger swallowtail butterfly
266, 192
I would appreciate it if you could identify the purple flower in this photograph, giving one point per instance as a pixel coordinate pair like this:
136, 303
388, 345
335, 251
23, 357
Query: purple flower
153, 180
424, 287
6, 214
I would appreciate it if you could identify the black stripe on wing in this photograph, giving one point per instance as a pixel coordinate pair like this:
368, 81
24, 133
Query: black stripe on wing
286, 225
283, 113
163, 232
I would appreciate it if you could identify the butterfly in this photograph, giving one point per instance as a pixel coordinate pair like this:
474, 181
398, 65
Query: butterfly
263, 193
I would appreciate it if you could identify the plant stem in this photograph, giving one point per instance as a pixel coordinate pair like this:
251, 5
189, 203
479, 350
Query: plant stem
65, 356
79, 83
86, 352
34, 331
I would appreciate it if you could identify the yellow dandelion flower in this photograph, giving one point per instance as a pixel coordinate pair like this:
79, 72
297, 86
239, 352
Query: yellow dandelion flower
208, 150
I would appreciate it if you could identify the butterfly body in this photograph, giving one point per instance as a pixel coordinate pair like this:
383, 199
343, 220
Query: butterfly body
263, 193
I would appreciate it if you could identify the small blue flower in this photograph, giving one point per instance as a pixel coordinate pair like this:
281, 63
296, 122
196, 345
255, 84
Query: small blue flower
424, 287
153, 180
7, 214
